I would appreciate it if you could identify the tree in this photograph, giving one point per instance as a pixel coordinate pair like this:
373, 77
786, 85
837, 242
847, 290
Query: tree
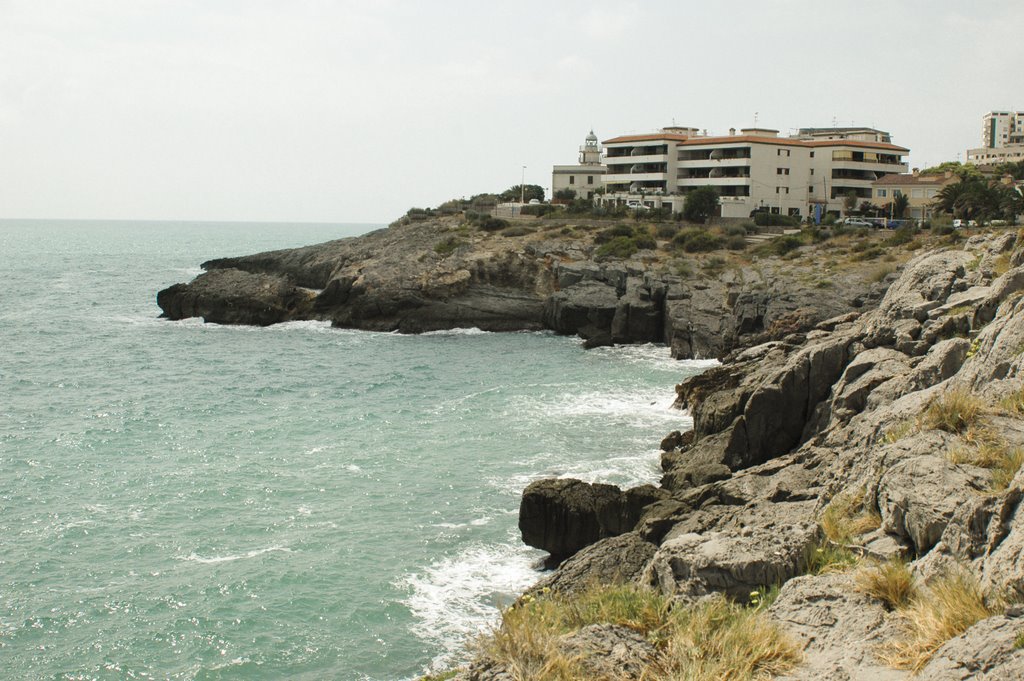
1015, 169
565, 194
900, 203
528, 192
849, 201
701, 204
976, 198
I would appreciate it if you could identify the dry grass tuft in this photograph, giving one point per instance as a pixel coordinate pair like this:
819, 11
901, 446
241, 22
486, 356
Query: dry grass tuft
1013, 403
890, 582
716, 639
999, 457
954, 412
845, 518
944, 609
829, 558
899, 431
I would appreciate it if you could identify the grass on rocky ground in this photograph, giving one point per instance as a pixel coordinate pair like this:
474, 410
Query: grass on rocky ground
714, 639
890, 582
954, 411
846, 518
966, 415
939, 611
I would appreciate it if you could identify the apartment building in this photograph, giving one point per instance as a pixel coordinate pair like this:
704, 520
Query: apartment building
583, 178
1002, 139
755, 169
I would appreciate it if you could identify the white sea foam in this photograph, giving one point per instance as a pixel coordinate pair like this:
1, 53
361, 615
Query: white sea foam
457, 598
642, 408
472, 331
194, 558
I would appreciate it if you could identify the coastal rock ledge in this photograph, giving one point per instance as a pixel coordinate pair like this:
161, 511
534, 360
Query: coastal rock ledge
892, 437
445, 273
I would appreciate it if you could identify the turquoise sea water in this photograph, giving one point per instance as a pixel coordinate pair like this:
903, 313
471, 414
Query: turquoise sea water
190, 501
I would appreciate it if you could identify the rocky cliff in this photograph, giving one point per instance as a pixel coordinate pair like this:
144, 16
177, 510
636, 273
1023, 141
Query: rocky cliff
443, 273
885, 441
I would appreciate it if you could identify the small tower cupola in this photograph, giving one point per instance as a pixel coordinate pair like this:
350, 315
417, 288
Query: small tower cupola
590, 152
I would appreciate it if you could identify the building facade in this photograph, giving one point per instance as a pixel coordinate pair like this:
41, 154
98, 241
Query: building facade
584, 178
1002, 139
756, 169
919, 189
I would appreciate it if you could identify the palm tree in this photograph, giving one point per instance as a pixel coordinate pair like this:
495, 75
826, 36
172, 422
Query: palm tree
899, 205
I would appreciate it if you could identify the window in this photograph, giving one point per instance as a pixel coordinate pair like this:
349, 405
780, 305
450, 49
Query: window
812, 154
782, 152
572, 179
782, 171
917, 193
782, 190
812, 171
881, 193
810, 190
794, 212
590, 179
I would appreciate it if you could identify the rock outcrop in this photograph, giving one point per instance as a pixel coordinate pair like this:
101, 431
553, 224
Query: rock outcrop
856, 407
444, 273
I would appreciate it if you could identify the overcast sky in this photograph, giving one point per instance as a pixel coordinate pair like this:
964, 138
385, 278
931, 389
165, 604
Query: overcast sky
313, 110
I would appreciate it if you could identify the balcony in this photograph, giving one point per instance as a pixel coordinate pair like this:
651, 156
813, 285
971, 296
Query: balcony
717, 162
620, 178
713, 181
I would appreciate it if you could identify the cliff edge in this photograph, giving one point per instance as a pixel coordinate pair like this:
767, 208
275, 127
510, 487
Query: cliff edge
608, 281
869, 469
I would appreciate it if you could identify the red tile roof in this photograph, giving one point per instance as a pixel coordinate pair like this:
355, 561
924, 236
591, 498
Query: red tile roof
685, 140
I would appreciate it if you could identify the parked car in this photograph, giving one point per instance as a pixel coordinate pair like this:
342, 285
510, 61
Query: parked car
856, 222
636, 205
958, 223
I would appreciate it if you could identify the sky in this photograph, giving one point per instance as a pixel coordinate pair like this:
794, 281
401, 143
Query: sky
338, 111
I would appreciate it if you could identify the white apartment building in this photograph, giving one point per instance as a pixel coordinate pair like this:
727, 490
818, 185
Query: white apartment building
755, 169
583, 178
1002, 139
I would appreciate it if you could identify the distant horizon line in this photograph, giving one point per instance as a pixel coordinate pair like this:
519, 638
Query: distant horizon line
209, 221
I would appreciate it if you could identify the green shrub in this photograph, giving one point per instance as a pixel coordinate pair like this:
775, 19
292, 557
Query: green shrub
620, 247
448, 246
903, 235
736, 242
766, 219
702, 242
666, 231
516, 230
615, 231
489, 224
784, 244
734, 230
644, 241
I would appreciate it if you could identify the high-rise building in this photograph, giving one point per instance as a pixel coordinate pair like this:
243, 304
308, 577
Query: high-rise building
1002, 139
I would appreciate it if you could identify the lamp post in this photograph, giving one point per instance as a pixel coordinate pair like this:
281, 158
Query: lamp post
522, 186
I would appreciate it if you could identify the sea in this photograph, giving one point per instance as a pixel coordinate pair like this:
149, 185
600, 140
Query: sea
181, 500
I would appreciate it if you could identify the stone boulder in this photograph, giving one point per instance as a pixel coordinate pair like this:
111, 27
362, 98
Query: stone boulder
838, 628
231, 296
731, 562
918, 496
988, 651
562, 516
615, 560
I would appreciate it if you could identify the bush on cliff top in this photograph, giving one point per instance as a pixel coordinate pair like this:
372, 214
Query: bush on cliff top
715, 639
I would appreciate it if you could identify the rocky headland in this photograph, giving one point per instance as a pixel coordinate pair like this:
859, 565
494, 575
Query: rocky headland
852, 480
445, 272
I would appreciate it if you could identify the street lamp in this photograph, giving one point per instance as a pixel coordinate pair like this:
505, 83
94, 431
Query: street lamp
522, 186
